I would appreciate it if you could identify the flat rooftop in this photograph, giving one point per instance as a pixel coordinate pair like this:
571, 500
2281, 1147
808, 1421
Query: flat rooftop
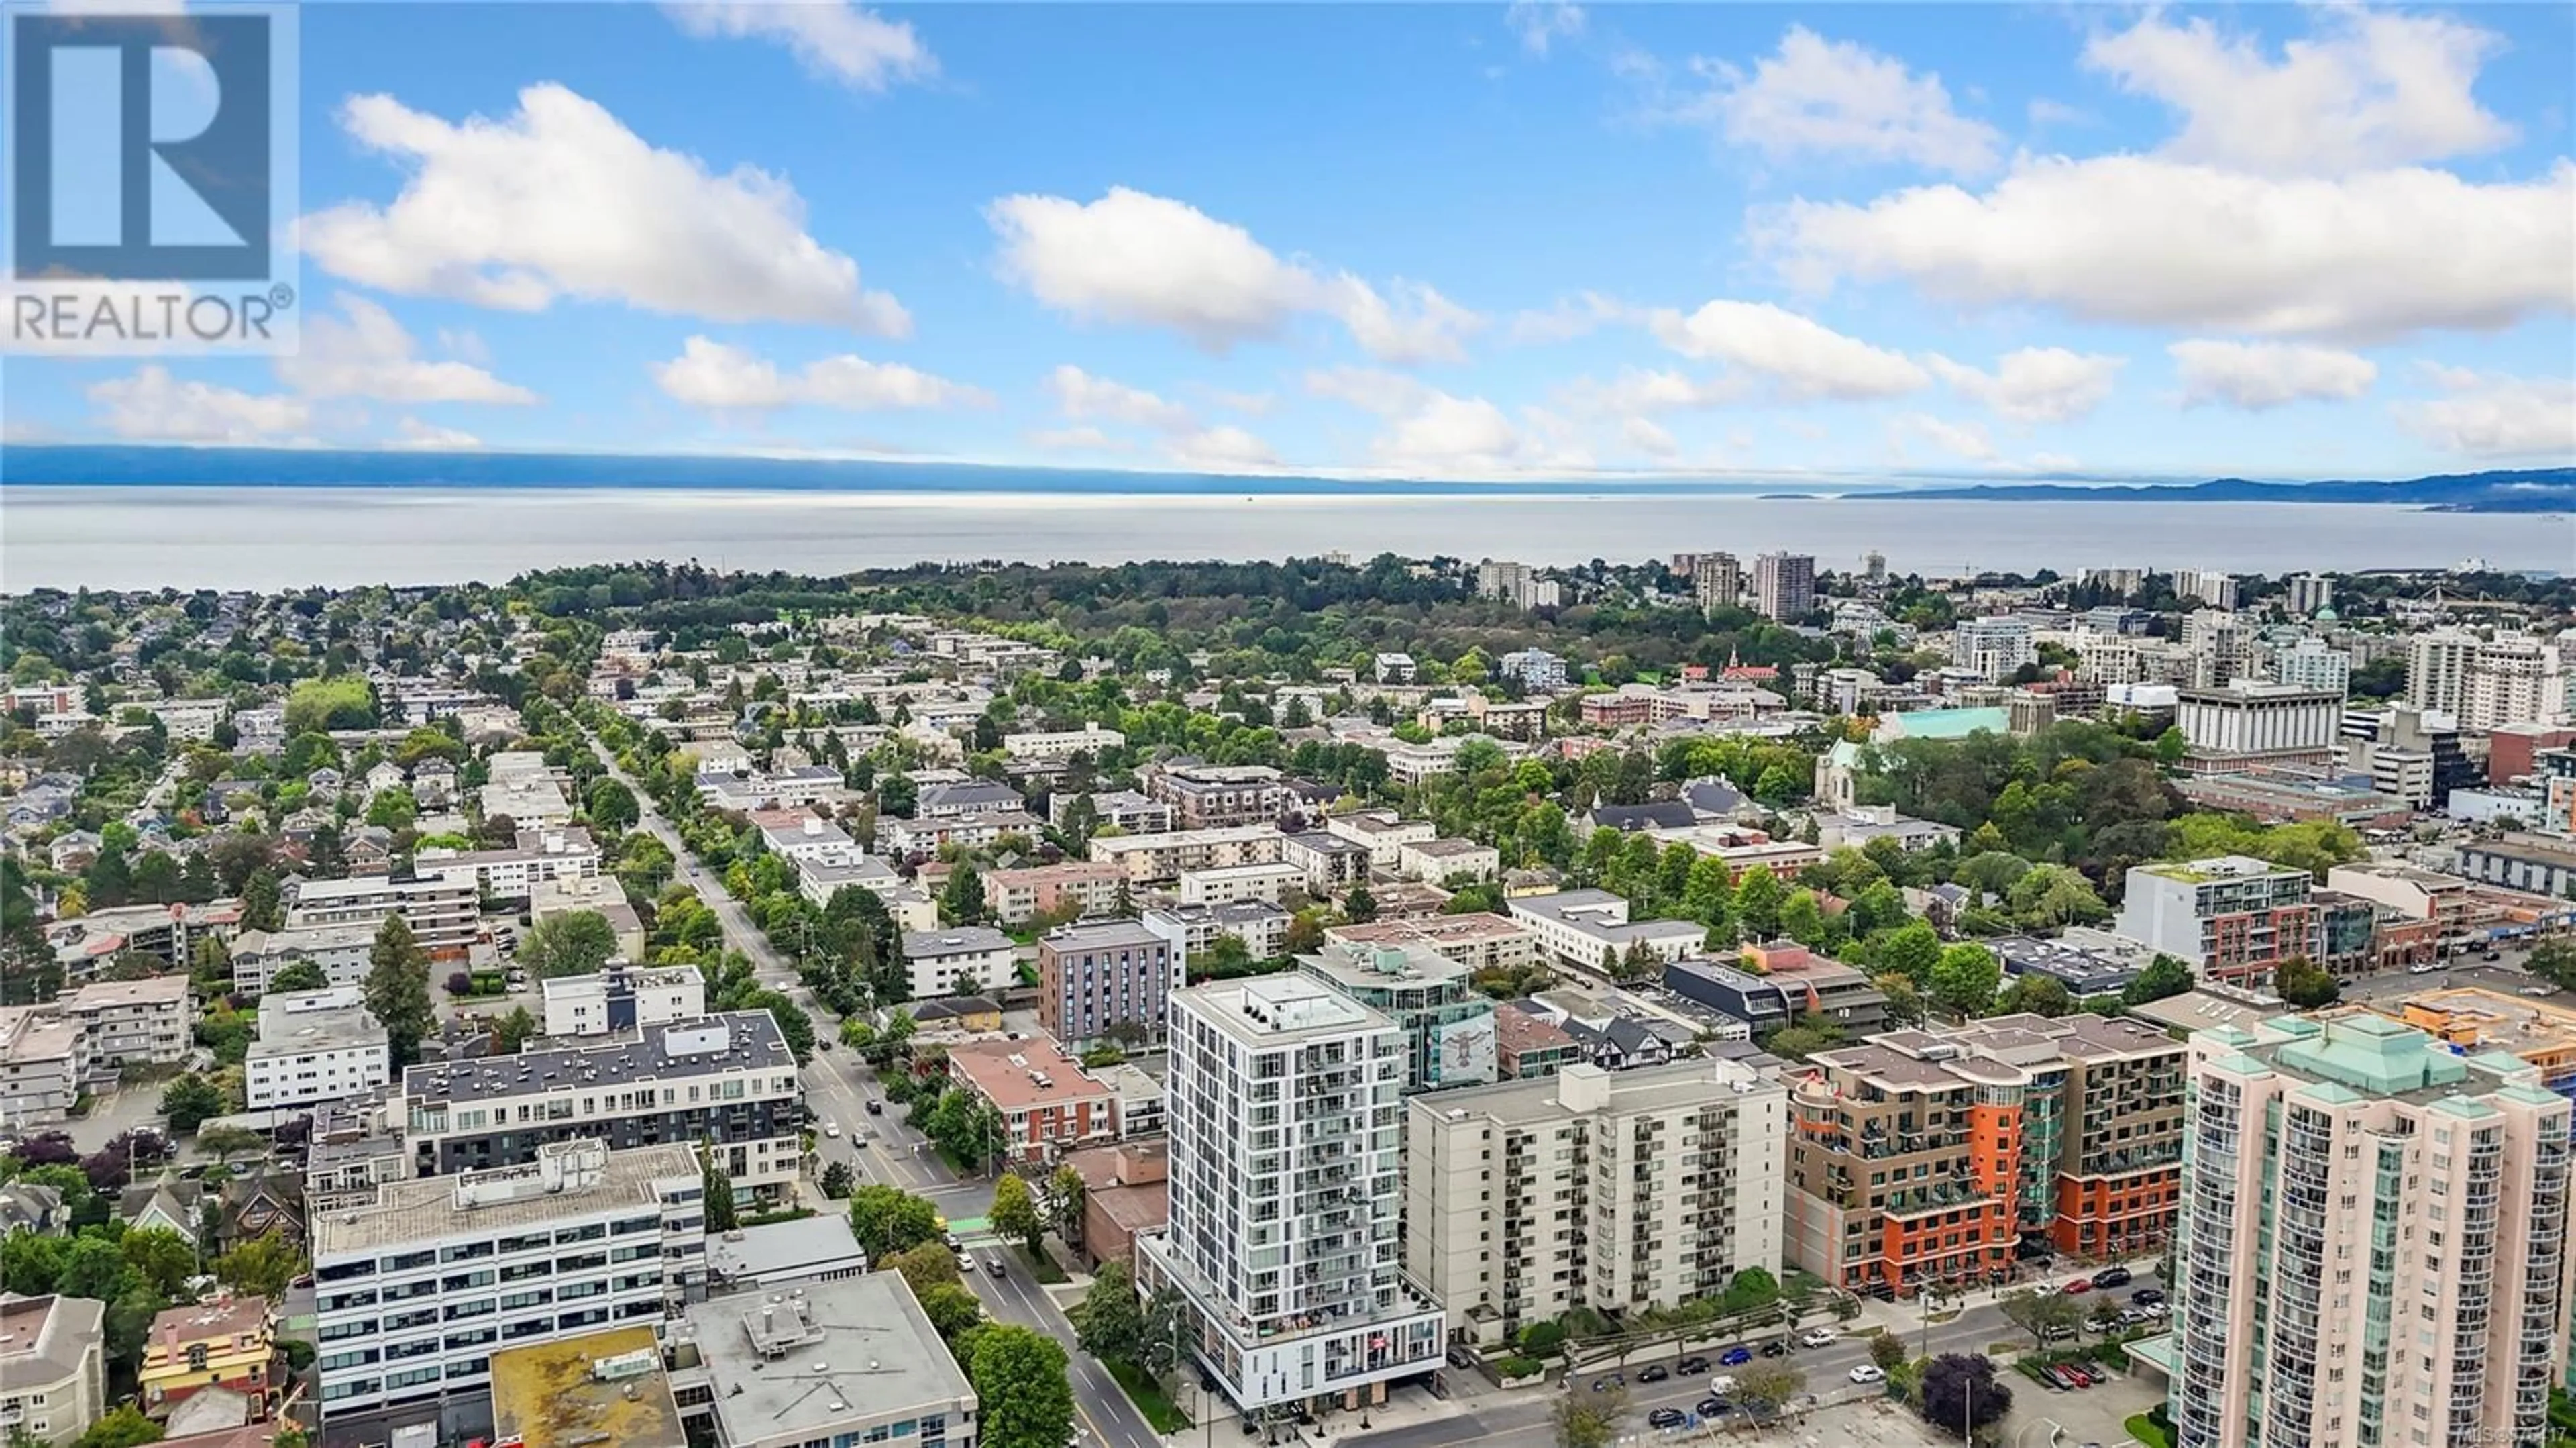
955, 940
1379, 967
1020, 1075
2486, 1019
108, 995
1645, 1088
1279, 1010
1097, 934
295, 1022
806, 1362
751, 1041
425, 1209
1431, 930
553, 1394
815, 1243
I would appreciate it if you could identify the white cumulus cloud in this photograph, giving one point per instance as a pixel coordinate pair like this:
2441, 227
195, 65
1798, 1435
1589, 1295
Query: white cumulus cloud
1084, 397
2035, 384
720, 376
2487, 415
153, 406
2258, 375
1965, 440
561, 200
2372, 88
364, 352
1221, 449
1136, 259
1541, 23
847, 43
2159, 242
418, 436
1834, 98
1804, 359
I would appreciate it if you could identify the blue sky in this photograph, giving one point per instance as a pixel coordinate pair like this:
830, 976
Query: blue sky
1440, 240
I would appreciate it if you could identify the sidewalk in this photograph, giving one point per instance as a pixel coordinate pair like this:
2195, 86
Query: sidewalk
1906, 1315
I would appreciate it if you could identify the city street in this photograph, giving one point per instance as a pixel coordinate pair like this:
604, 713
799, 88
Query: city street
1522, 1418
773, 969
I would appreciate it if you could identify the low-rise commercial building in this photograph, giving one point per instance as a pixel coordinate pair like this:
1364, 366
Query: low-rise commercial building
1106, 979
1614, 1193
53, 1366
847, 1362
414, 1292
314, 1046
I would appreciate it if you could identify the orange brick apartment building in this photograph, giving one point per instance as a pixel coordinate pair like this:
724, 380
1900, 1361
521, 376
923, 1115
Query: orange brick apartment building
1926, 1156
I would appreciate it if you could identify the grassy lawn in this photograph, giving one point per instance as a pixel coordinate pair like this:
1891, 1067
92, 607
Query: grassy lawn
1148, 1398
1042, 1267
2146, 1433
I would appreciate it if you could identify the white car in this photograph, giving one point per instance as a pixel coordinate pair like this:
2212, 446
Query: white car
1818, 1337
2424, 967
832, 1129
1869, 1373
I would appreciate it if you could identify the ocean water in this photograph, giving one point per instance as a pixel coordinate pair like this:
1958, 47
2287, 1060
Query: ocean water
131, 537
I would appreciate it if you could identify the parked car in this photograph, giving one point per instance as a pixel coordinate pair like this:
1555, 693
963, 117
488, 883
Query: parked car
1653, 1373
832, 1129
1691, 1367
2147, 1296
1869, 1373
1775, 1348
2110, 1277
2424, 967
1818, 1337
993, 1263
2062, 1377
1714, 1407
1605, 1384
1735, 1357
2492, 955
875, 1107
2079, 1286
1667, 1418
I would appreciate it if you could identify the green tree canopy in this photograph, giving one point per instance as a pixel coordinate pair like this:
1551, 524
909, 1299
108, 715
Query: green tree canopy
397, 990
1021, 1376
573, 942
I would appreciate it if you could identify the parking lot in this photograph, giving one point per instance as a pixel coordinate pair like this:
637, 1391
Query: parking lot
114, 1111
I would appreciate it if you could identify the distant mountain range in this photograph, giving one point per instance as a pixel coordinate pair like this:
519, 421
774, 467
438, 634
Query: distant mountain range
2543, 490
2536, 490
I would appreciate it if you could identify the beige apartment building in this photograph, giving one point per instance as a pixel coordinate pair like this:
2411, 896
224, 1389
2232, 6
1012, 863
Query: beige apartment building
53, 1373
1148, 858
1478, 940
133, 1022
43, 1061
2372, 1243
1612, 1191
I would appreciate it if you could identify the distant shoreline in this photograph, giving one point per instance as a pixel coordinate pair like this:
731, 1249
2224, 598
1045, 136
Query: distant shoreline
44, 466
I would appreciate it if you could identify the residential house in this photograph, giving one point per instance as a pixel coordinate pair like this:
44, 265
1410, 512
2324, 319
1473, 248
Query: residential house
228, 1343
53, 1366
